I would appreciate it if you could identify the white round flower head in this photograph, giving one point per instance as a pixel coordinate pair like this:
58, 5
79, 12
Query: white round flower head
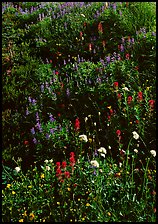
153, 153
95, 163
83, 138
102, 150
99, 113
46, 161
135, 150
109, 147
135, 135
95, 123
17, 169
47, 168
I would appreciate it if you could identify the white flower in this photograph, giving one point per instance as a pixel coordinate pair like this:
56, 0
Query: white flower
17, 169
95, 123
51, 160
135, 135
86, 119
109, 147
46, 161
47, 168
125, 88
103, 155
83, 138
94, 163
135, 150
99, 113
102, 150
120, 164
153, 152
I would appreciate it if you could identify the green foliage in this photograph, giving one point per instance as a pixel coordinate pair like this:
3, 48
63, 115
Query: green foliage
73, 69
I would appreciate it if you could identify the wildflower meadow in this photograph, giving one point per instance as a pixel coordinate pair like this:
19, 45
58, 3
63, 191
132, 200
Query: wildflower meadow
78, 112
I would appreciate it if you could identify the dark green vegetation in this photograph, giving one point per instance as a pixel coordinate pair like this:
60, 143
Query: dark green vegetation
72, 69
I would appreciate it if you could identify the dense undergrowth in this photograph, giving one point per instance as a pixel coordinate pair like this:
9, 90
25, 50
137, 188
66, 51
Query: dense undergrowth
78, 111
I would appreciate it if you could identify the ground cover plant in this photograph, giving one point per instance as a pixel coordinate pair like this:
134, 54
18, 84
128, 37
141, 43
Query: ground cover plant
78, 111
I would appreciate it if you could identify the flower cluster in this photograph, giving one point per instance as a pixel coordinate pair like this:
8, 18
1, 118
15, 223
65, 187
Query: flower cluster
61, 172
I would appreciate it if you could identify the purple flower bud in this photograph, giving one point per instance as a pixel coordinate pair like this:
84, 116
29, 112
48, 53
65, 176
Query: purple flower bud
51, 118
34, 102
34, 140
51, 131
114, 6
33, 130
47, 136
30, 100
108, 59
132, 40
27, 111
37, 117
68, 92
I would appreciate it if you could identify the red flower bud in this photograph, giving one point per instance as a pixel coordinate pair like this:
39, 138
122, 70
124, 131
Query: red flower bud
77, 124
118, 132
67, 174
115, 84
26, 142
63, 164
129, 99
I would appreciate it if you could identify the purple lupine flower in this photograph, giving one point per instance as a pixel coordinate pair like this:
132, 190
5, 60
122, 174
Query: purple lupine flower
153, 33
132, 40
98, 80
121, 48
27, 111
37, 117
51, 131
42, 88
113, 59
51, 118
47, 136
33, 130
30, 100
68, 92
114, 6
64, 62
95, 153
108, 59
118, 57
94, 173
78, 58
34, 102
34, 140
